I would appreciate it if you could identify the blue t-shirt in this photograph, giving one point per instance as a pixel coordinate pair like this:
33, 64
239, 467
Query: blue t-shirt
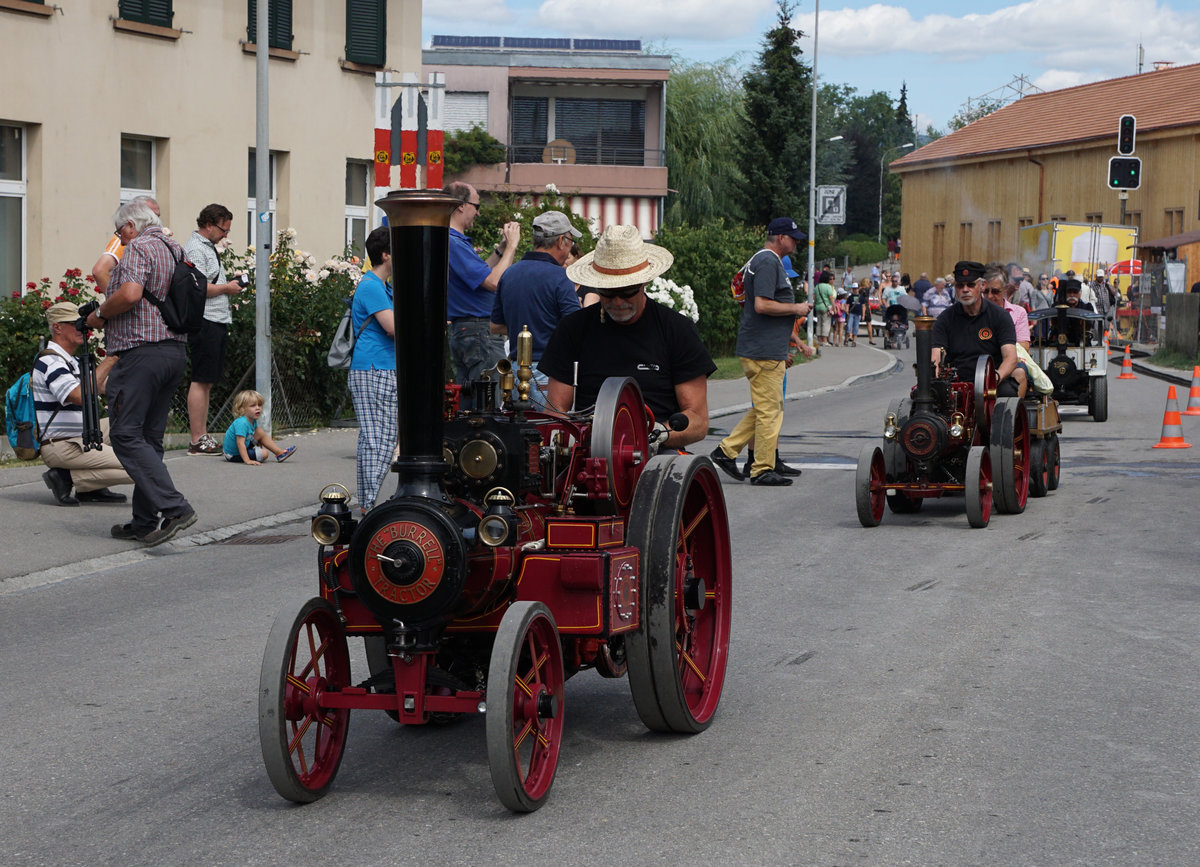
373, 350
241, 427
535, 292
465, 295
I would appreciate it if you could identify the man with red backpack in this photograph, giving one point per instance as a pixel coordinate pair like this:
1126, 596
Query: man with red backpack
763, 342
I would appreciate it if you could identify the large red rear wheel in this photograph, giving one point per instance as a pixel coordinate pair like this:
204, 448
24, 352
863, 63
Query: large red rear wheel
525, 706
677, 656
302, 742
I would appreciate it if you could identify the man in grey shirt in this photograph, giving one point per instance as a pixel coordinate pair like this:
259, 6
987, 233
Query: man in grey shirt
762, 348
207, 346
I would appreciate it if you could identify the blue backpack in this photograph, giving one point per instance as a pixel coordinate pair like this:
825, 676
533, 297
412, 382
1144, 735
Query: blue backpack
20, 418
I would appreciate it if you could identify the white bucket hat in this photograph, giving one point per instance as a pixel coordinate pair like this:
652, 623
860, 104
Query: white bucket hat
621, 258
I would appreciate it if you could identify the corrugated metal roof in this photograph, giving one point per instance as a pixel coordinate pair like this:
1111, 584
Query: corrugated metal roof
1160, 99
1171, 241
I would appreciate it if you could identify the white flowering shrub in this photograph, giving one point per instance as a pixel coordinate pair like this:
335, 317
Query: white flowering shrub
671, 294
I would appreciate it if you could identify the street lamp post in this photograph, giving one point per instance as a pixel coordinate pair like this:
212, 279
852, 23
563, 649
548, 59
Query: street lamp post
882, 160
812, 168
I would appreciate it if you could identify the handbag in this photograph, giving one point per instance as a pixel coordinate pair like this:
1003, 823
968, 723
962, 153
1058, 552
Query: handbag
341, 351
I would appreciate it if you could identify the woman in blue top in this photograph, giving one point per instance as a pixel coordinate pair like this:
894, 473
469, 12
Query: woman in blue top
372, 376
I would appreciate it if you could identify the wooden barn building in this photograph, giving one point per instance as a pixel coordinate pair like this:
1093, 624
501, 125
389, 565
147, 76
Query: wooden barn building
1045, 158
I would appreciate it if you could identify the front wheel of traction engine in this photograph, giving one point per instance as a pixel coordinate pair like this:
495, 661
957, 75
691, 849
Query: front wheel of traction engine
870, 486
678, 653
302, 742
525, 706
977, 487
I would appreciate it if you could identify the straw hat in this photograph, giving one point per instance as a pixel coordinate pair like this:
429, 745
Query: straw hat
621, 258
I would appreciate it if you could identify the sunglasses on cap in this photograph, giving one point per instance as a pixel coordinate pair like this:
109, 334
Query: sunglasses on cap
624, 294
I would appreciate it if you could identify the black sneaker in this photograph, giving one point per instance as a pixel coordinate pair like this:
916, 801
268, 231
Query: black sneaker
167, 528
104, 495
123, 531
729, 465
771, 479
783, 469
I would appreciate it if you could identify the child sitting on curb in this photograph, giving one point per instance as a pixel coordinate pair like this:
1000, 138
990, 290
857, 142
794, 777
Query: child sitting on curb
244, 442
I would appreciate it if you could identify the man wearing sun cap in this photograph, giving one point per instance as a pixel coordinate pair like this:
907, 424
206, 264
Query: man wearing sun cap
58, 399
973, 326
536, 292
764, 336
628, 334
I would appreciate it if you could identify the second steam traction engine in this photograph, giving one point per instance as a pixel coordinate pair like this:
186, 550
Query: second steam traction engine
520, 548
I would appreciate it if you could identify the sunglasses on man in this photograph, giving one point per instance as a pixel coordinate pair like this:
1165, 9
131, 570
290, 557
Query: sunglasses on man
623, 294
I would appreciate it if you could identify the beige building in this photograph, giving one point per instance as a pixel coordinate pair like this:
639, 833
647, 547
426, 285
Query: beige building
106, 99
1045, 158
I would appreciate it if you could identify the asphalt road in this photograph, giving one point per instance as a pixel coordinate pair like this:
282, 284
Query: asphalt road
919, 692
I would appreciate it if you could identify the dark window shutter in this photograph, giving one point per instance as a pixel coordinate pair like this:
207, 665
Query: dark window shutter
529, 119
280, 12
157, 12
366, 31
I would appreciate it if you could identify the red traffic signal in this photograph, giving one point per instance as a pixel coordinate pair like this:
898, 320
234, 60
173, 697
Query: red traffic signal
1124, 173
1126, 133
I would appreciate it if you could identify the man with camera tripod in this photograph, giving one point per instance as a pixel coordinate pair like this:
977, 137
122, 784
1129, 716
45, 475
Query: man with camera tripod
58, 399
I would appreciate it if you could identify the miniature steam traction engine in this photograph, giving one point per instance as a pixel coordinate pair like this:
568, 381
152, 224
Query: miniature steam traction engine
953, 438
520, 548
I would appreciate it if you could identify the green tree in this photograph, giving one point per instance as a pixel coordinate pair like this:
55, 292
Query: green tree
775, 139
704, 117
972, 111
471, 147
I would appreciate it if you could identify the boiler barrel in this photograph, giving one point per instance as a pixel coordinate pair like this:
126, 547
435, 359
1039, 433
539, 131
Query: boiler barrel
419, 224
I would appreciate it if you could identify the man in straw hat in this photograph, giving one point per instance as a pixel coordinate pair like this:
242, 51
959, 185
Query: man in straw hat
627, 334
58, 398
762, 348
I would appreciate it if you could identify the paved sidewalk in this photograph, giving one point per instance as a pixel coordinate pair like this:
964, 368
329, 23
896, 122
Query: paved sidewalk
42, 543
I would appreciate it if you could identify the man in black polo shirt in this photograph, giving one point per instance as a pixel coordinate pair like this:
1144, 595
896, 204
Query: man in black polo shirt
627, 334
973, 326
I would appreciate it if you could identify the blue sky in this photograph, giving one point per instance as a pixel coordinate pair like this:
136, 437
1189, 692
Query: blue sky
945, 54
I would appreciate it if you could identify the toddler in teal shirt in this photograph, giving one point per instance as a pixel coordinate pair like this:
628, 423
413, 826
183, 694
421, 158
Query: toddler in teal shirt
244, 442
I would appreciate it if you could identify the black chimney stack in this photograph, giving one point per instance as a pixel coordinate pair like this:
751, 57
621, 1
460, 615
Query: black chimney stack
420, 240
924, 401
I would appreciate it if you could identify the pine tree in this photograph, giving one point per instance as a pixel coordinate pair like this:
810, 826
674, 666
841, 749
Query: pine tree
775, 138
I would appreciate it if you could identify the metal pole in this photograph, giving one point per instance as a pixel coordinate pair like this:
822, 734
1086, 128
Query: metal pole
882, 159
262, 233
812, 178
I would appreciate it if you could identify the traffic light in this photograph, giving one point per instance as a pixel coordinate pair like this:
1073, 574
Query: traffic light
1124, 173
1126, 132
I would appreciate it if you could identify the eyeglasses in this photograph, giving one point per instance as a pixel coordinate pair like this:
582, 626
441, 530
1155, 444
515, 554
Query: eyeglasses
990, 291
474, 205
623, 294
224, 230
974, 284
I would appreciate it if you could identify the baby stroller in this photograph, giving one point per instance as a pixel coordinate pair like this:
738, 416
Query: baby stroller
895, 320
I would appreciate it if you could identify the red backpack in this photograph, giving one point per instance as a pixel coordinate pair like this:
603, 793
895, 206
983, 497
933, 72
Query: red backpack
737, 286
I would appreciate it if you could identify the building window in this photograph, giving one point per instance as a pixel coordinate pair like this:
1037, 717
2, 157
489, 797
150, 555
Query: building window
156, 12
251, 206
1058, 218
993, 240
138, 167
1094, 218
13, 186
463, 110
358, 205
1022, 222
939, 244
603, 131
1172, 221
964, 240
530, 128
366, 32
279, 22
1134, 218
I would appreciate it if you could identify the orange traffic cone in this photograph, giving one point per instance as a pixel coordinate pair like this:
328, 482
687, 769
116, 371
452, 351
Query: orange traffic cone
1172, 431
1193, 407
1126, 366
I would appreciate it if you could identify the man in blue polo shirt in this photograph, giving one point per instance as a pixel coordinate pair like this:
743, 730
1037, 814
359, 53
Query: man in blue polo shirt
536, 292
472, 284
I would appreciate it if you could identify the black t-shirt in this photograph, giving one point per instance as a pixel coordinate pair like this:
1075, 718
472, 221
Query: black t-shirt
965, 338
660, 350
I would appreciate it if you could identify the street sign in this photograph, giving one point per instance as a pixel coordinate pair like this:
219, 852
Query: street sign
831, 205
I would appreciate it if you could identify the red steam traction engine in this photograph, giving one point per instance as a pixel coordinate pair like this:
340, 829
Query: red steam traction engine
954, 438
520, 548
